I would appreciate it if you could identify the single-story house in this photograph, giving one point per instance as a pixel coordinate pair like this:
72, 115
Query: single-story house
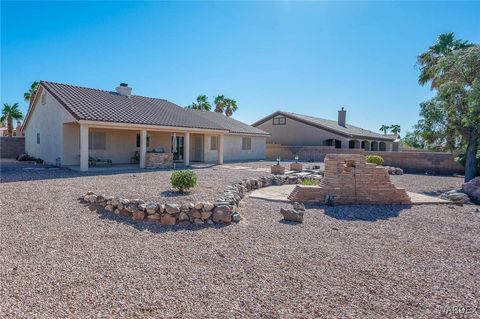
69, 125
302, 130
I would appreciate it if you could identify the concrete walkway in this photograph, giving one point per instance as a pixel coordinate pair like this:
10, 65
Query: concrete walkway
281, 193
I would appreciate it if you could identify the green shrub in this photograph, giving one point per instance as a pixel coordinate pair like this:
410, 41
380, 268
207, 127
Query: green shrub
308, 181
183, 180
374, 159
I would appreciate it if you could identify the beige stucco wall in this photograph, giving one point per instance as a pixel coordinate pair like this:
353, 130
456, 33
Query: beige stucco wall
120, 144
298, 133
232, 148
48, 120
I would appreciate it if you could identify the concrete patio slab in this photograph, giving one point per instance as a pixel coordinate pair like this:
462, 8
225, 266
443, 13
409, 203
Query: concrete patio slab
281, 193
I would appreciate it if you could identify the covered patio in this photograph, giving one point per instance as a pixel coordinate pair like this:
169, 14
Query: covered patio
116, 146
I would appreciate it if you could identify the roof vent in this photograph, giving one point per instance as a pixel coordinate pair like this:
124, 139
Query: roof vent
124, 89
342, 117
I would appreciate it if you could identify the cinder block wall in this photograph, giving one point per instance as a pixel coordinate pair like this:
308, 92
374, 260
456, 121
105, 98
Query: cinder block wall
410, 162
11, 147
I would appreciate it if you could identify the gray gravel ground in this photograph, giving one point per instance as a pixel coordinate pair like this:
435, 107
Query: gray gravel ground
58, 259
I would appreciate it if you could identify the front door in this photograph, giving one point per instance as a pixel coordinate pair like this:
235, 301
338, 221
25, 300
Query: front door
178, 147
197, 148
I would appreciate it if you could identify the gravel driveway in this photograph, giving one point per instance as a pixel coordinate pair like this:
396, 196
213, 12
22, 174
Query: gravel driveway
58, 259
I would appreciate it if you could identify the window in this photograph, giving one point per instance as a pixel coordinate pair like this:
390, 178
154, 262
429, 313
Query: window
38, 138
138, 140
279, 120
97, 140
213, 143
44, 98
246, 143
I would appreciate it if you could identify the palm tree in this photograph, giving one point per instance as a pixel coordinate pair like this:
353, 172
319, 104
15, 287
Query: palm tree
201, 104
10, 113
220, 102
230, 107
31, 92
384, 128
446, 44
395, 128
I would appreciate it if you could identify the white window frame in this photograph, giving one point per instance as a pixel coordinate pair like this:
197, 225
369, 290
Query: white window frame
279, 120
214, 143
246, 143
95, 141
138, 142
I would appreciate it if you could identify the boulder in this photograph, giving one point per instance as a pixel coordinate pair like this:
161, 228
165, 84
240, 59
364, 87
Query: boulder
131, 208
298, 206
398, 171
167, 219
198, 221
137, 201
153, 217
196, 214
172, 208
292, 215
116, 211
456, 196
115, 201
472, 188
222, 214
138, 215
151, 208
198, 206
109, 208
183, 216
207, 206
236, 217
184, 208
142, 207
92, 199
205, 215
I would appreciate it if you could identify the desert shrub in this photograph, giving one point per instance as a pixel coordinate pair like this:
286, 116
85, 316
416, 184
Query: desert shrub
308, 181
183, 180
374, 159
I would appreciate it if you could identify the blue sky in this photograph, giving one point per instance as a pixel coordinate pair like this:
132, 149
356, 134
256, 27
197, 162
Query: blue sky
305, 57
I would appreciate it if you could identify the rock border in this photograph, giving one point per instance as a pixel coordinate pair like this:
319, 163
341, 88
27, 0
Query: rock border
223, 211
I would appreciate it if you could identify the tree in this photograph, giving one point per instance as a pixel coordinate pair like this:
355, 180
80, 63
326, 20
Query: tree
230, 107
220, 102
446, 44
414, 140
452, 116
10, 113
384, 129
395, 128
201, 104
31, 92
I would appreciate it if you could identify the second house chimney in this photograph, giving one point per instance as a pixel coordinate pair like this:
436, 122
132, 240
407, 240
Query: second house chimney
342, 116
124, 89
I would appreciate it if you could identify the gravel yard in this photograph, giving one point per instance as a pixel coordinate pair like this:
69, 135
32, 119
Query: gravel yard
58, 259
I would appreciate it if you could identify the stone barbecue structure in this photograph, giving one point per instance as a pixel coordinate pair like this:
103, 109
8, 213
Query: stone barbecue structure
159, 160
350, 180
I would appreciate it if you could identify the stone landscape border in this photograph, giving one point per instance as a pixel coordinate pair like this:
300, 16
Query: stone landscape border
223, 211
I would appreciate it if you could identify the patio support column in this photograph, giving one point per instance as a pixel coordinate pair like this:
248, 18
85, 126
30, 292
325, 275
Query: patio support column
186, 152
143, 147
220, 149
83, 147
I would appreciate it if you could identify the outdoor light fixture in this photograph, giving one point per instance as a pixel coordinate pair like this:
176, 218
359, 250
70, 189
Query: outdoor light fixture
278, 160
296, 158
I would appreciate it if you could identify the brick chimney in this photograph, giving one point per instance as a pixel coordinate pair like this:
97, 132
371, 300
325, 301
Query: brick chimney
342, 117
124, 89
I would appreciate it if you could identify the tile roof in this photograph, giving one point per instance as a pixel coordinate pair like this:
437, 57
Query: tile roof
106, 106
349, 130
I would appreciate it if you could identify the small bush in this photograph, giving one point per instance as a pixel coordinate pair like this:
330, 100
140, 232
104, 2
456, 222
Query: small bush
308, 181
374, 159
183, 180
